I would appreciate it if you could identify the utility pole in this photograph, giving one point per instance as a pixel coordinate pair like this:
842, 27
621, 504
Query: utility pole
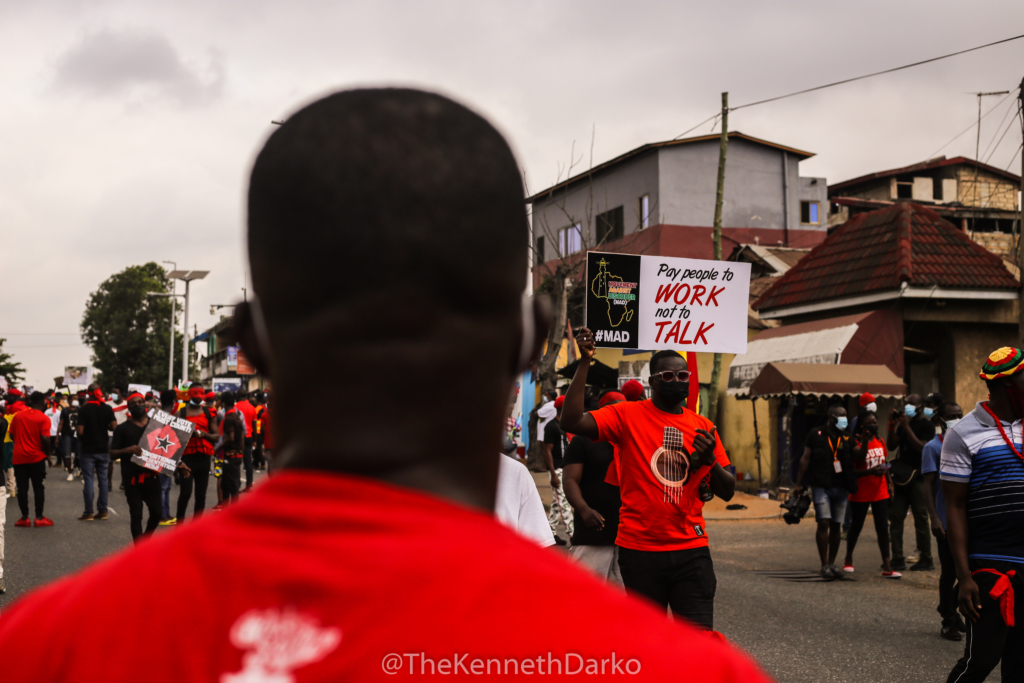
977, 147
1020, 225
716, 369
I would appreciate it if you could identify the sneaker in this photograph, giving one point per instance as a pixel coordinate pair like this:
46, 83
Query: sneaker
71, 477
922, 566
11, 493
100, 515
826, 573
848, 568
171, 521
892, 575
950, 632
3, 586
87, 517
898, 565
23, 522
44, 521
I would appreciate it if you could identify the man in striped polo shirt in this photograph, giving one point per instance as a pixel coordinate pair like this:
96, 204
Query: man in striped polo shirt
982, 472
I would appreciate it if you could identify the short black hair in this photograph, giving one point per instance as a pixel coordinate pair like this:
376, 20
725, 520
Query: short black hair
228, 399
935, 398
36, 398
195, 385
390, 178
941, 410
168, 397
665, 353
836, 404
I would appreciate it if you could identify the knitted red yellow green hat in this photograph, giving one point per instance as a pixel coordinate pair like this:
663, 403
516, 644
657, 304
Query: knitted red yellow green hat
1002, 363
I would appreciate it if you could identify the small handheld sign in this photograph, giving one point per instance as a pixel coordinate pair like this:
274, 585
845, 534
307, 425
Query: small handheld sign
660, 302
163, 441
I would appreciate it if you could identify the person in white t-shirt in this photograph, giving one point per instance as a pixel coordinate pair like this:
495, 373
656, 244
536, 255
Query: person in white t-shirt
54, 412
518, 505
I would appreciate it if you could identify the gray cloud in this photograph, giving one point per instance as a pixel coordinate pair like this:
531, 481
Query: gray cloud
111, 63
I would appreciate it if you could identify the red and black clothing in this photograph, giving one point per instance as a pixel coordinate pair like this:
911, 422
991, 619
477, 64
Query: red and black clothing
197, 459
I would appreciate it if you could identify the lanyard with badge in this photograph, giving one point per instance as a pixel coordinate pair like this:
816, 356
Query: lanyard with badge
835, 449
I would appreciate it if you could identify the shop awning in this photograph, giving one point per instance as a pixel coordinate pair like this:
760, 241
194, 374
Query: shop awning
785, 379
875, 337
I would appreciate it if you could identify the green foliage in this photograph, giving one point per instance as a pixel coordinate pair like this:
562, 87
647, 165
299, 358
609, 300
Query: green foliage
129, 331
9, 368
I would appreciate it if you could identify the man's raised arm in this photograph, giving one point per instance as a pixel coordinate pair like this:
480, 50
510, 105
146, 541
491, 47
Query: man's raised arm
574, 419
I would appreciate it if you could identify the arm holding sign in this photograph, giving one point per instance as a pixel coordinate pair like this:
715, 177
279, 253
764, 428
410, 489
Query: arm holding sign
574, 419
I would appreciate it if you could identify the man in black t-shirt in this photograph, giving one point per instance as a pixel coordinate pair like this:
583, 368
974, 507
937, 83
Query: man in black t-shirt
595, 503
825, 463
95, 421
555, 443
141, 485
910, 430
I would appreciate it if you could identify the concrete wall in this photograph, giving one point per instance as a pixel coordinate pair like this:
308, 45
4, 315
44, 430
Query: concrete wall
623, 186
754, 186
973, 344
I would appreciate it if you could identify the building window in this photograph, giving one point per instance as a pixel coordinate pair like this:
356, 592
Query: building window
905, 187
540, 250
809, 213
937, 190
645, 211
570, 240
609, 226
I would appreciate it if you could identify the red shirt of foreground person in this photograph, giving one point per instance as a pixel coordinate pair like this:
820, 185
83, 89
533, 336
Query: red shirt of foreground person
321, 574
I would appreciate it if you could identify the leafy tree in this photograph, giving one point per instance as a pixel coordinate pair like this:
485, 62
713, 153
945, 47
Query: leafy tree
128, 330
9, 368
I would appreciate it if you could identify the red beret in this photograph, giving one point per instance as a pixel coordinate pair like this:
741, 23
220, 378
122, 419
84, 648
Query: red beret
632, 390
15, 391
866, 398
210, 396
559, 401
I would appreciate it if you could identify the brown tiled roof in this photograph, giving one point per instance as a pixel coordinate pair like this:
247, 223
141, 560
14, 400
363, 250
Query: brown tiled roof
879, 250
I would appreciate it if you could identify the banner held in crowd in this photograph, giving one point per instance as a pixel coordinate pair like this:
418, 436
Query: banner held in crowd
163, 441
660, 302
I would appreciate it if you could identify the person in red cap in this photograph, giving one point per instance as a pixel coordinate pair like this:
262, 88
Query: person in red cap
198, 452
633, 390
31, 432
555, 442
595, 503
317, 574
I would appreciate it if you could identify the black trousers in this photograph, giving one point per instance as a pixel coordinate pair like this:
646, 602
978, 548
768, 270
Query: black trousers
247, 457
910, 497
949, 595
990, 640
35, 472
257, 451
681, 579
147, 493
231, 479
200, 477
880, 513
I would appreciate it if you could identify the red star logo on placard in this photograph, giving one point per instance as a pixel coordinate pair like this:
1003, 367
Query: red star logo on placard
163, 441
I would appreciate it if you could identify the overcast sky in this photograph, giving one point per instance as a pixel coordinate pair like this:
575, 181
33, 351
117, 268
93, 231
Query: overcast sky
127, 128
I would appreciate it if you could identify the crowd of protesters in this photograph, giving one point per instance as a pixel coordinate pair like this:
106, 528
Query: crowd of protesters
85, 433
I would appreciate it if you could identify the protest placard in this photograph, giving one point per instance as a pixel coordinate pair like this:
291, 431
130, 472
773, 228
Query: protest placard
77, 374
163, 441
661, 302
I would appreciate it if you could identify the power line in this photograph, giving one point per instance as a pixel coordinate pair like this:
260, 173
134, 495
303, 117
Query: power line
877, 73
1008, 110
697, 126
1005, 131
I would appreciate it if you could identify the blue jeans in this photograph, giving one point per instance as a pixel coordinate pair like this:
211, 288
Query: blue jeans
95, 465
829, 503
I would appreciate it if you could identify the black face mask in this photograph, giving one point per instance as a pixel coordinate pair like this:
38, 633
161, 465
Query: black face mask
137, 411
674, 392
872, 429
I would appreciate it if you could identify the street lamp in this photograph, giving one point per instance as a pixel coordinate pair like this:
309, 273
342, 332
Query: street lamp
170, 362
186, 276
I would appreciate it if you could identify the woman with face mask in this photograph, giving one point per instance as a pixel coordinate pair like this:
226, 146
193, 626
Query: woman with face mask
870, 468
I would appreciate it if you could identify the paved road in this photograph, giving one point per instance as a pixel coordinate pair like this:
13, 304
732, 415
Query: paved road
868, 630
874, 629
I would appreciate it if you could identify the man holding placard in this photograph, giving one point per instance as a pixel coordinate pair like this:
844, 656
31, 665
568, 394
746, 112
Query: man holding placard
141, 485
665, 451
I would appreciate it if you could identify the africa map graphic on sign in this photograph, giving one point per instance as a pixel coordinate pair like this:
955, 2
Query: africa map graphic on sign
618, 294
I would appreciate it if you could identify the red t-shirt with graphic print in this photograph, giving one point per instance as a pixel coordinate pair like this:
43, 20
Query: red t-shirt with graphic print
871, 488
656, 515
331, 552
